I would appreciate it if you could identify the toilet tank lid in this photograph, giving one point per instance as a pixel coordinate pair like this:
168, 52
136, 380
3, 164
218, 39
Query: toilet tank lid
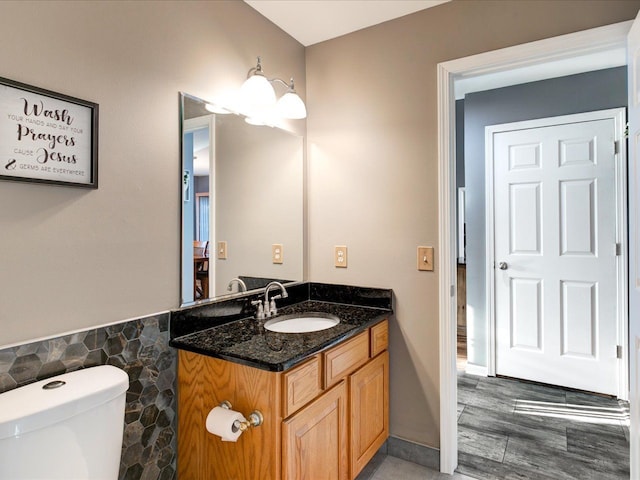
33, 407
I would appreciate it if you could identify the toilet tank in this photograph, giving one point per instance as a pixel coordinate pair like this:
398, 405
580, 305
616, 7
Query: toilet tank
65, 427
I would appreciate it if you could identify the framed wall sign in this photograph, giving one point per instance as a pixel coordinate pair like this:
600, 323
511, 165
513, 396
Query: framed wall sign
47, 137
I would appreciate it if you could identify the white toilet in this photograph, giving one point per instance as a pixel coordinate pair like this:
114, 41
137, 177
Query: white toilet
68, 427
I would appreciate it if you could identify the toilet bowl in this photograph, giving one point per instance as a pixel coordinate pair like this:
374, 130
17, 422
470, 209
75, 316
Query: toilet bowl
67, 427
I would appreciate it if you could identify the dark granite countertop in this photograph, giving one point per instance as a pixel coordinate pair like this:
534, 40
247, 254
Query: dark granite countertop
247, 342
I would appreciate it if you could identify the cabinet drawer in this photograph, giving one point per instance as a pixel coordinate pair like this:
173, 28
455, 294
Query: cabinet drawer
379, 338
347, 357
301, 385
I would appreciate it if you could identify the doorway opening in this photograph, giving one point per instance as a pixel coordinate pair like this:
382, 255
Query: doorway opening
460, 71
555, 302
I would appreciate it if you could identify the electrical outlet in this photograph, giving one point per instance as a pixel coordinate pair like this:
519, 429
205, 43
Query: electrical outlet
222, 250
276, 253
341, 256
425, 259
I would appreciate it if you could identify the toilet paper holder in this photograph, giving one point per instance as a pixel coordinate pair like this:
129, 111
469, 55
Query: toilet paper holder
255, 418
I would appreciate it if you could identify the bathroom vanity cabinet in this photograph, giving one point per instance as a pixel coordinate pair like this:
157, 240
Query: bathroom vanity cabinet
324, 418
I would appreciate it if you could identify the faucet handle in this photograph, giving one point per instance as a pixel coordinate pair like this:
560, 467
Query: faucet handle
260, 312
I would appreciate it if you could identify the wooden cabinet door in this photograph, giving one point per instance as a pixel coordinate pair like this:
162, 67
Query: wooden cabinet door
203, 383
369, 394
314, 440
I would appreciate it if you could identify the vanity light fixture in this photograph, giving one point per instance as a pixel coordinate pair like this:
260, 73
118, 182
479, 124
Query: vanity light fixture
258, 98
290, 104
215, 108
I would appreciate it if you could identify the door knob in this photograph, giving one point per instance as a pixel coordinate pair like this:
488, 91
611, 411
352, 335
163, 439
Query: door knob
503, 265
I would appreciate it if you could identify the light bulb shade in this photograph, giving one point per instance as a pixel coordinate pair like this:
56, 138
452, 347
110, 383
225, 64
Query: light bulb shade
291, 106
256, 95
215, 108
255, 121
268, 118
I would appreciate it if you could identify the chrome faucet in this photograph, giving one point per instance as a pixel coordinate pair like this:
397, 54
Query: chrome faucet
270, 308
259, 309
242, 287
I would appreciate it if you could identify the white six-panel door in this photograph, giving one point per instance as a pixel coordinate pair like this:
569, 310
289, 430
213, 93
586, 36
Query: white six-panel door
555, 252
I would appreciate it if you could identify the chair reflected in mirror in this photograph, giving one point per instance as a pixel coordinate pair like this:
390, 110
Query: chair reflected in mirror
200, 270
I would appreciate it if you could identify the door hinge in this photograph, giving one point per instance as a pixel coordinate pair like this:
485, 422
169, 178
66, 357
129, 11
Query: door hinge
618, 351
616, 147
453, 290
618, 249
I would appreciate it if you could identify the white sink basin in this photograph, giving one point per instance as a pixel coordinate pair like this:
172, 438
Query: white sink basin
302, 323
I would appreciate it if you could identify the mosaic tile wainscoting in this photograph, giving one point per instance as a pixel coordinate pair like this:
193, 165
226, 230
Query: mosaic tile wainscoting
141, 348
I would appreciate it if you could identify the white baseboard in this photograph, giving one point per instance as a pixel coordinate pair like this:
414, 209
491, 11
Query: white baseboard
479, 370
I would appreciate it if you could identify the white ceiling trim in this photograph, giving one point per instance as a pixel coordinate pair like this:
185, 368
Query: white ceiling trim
609, 51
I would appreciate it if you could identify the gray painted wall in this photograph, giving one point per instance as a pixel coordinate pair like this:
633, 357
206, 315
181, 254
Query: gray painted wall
201, 184
585, 92
189, 223
259, 201
86, 245
459, 143
459, 163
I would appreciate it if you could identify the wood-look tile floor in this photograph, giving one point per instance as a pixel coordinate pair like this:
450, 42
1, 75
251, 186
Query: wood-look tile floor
509, 429
393, 468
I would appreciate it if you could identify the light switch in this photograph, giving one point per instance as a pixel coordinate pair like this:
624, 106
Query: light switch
276, 253
425, 258
341, 256
222, 250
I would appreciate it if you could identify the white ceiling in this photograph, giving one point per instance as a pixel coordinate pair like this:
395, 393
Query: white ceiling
313, 21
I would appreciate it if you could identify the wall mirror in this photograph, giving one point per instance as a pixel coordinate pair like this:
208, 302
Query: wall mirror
242, 203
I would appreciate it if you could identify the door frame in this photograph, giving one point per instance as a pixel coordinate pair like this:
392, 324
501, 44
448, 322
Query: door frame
191, 125
599, 39
618, 115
